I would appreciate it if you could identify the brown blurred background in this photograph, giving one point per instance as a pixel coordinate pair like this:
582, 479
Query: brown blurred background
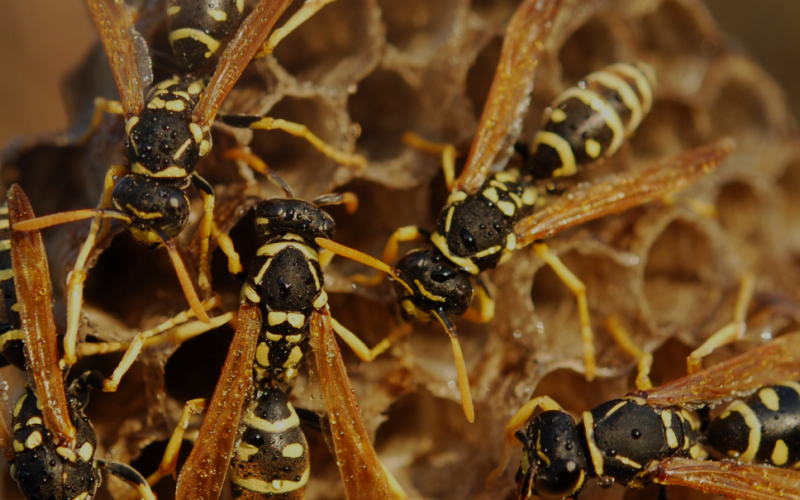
41, 41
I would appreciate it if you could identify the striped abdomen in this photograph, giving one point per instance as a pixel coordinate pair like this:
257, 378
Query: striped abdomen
763, 428
591, 120
198, 28
11, 345
272, 458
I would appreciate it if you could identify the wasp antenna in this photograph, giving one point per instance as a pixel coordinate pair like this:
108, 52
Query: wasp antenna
348, 199
461, 366
361, 257
183, 276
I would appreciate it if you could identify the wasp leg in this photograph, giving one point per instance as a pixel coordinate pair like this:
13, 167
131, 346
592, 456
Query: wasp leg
448, 152
309, 8
358, 346
170, 458
729, 333
348, 199
297, 130
130, 476
257, 164
207, 195
623, 339
579, 290
403, 234
515, 423
77, 276
485, 311
101, 106
226, 245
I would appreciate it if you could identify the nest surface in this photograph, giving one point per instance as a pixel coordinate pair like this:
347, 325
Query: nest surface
360, 74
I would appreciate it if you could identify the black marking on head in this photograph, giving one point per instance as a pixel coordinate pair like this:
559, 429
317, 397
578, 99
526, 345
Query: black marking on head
437, 284
152, 203
555, 454
293, 216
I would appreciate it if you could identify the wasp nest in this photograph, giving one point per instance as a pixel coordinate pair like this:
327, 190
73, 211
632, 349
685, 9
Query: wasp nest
360, 74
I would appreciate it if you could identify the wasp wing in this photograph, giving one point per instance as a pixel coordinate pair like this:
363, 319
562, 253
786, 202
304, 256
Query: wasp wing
769, 364
509, 96
6, 434
361, 470
237, 56
730, 479
126, 51
34, 298
204, 473
621, 192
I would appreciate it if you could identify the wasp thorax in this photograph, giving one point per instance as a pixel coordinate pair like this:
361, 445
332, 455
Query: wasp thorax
151, 203
436, 283
279, 216
163, 141
555, 464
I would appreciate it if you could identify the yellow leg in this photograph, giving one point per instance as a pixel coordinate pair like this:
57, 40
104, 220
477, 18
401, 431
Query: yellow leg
448, 152
729, 333
403, 234
257, 164
299, 130
204, 275
309, 8
485, 311
579, 290
77, 276
623, 339
546, 403
358, 346
226, 245
101, 106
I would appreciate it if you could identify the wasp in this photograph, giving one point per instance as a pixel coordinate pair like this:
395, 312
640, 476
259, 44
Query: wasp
489, 216
168, 132
284, 316
655, 436
48, 440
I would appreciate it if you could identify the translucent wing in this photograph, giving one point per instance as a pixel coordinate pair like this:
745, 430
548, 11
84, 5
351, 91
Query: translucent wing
34, 297
6, 436
204, 473
126, 51
730, 479
509, 96
621, 192
237, 56
361, 470
771, 363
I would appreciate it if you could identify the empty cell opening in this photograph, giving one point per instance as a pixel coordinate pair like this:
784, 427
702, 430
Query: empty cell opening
194, 368
147, 463
590, 48
674, 30
418, 25
481, 74
338, 31
789, 184
668, 129
385, 107
740, 211
739, 109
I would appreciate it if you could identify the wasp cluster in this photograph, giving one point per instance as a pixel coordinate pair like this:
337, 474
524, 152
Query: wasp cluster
360, 74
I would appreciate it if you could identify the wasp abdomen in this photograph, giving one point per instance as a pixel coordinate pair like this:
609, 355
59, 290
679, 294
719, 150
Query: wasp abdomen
11, 345
591, 120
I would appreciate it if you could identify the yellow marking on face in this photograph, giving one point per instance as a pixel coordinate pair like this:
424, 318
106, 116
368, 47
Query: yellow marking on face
245, 451
456, 196
67, 453
195, 34
448, 222
273, 337
132, 121
251, 295
599, 104
176, 105
497, 184
539, 451
18, 406
289, 422
413, 311
18, 447
34, 421
143, 215
276, 318
754, 437
156, 103
627, 461
218, 15
82, 496
770, 398
615, 408
563, 150
441, 243
173, 172
167, 83
6, 274
269, 487
86, 451
171, 11
426, 293
294, 450
780, 454
489, 251
182, 149
262, 354
593, 148
594, 452
297, 320
295, 356
294, 338
321, 300
557, 115
507, 207
610, 80
274, 248
491, 194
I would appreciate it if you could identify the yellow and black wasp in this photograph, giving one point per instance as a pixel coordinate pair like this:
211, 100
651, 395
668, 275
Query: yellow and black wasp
489, 216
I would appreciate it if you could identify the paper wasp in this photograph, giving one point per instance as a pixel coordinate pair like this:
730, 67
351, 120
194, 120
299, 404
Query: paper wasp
284, 315
168, 133
653, 436
487, 217
48, 440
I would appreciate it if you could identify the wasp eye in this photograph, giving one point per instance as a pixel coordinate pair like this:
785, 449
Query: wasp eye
561, 478
442, 274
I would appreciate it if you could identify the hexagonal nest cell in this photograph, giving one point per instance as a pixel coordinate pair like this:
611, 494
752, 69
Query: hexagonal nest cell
360, 74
